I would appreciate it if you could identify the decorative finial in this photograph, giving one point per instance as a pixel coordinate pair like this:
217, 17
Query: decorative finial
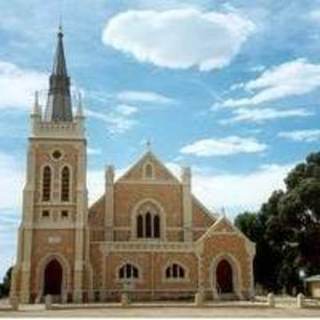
80, 106
60, 28
36, 106
148, 145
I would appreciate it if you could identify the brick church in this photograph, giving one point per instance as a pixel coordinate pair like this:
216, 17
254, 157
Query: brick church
147, 234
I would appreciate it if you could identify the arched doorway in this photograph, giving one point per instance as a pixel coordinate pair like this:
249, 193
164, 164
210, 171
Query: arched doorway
53, 278
224, 277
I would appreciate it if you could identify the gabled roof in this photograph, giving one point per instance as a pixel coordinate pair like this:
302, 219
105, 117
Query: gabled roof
224, 225
135, 172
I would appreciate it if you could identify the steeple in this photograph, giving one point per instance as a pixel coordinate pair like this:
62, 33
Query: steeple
59, 106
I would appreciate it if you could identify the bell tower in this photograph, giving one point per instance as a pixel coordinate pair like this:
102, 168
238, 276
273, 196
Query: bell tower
53, 232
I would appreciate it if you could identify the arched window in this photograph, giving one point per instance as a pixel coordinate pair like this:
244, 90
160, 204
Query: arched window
128, 271
65, 184
148, 225
148, 171
156, 226
148, 221
175, 271
46, 184
140, 226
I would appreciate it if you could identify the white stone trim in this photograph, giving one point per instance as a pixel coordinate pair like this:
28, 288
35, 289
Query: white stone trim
145, 246
162, 216
175, 280
236, 273
66, 273
149, 181
151, 155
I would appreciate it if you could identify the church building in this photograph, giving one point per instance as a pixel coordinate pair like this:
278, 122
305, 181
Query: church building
147, 234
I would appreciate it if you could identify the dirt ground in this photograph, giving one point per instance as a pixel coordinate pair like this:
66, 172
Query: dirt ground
285, 308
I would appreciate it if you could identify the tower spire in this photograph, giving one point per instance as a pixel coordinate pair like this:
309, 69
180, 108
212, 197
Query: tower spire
59, 106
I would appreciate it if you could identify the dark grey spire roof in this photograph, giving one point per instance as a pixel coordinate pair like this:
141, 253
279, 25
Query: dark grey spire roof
59, 106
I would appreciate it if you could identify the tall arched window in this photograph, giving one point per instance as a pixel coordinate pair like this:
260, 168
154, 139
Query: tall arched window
148, 171
140, 226
65, 184
148, 229
128, 271
156, 226
175, 271
46, 183
148, 224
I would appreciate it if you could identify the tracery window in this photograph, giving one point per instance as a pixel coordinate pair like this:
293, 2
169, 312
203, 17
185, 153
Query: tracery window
128, 271
148, 222
65, 184
175, 271
46, 183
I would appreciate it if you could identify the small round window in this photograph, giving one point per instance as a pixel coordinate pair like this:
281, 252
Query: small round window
56, 154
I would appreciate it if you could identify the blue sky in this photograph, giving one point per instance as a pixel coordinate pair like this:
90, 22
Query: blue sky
230, 88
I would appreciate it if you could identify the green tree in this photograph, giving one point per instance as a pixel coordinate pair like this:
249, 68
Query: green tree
5, 285
287, 229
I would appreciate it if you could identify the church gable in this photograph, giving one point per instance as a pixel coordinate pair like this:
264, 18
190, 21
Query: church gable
223, 225
201, 216
149, 169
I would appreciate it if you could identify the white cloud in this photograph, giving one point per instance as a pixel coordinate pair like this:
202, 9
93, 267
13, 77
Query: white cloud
93, 151
179, 38
292, 78
143, 96
18, 85
240, 192
314, 15
223, 146
116, 123
308, 135
12, 177
261, 115
126, 110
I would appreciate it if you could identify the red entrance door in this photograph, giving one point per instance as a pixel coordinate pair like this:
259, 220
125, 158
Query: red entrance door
53, 278
224, 277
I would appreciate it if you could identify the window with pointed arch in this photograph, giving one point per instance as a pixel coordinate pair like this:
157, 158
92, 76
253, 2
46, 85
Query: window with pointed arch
65, 184
46, 183
128, 272
148, 171
148, 222
175, 272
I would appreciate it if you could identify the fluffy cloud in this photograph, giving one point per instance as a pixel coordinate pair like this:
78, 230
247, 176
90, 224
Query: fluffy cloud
240, 192
179, 38
314, 15
261, 115
117, 122
126, 110
94, 151
292, 78
143, 96
18, 85
223, 146
308, 135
